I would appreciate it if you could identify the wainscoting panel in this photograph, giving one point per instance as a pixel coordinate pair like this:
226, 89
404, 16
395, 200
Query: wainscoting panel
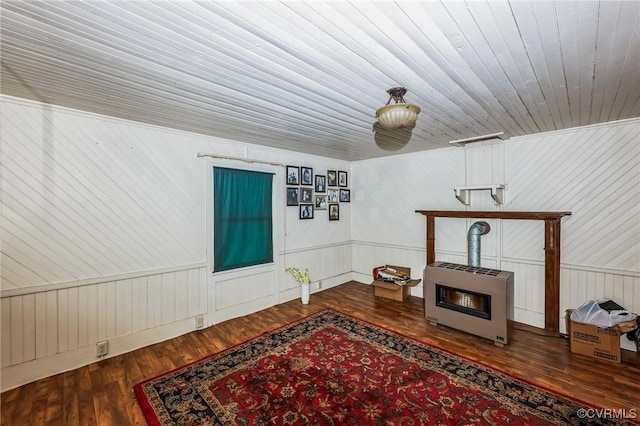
242, 289
237, 293
528, 291
66, 323
324, 262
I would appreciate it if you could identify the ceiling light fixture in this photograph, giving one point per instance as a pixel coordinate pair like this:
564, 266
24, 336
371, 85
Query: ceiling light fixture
400, 114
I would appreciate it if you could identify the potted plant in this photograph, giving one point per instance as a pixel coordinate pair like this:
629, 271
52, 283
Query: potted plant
304, 279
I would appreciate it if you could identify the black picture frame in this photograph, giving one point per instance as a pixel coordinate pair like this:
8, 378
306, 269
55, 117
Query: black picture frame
306, 211
332, 178
293, 175
306, 195
342, 179
320, 183
292, 196
334, 211
306, 176
345, 195
320, 202
333, 195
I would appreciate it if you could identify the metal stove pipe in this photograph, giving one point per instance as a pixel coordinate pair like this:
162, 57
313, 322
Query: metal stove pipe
473, 242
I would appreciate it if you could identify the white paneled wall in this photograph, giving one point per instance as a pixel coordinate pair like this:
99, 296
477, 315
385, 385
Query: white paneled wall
594, 172
105, 237
90, 197
329, 265
57, 329
102, 237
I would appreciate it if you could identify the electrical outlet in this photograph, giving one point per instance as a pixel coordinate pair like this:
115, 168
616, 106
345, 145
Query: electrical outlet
319, 284
199, 321
102, 348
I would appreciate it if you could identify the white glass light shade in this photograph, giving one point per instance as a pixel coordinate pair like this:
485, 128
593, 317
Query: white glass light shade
399, 115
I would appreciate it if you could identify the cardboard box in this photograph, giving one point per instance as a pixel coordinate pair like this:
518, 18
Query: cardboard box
591, 340
390, 290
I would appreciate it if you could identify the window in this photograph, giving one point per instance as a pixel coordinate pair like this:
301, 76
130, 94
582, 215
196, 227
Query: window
242, 218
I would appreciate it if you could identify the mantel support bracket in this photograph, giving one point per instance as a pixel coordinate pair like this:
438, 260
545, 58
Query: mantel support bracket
463, 193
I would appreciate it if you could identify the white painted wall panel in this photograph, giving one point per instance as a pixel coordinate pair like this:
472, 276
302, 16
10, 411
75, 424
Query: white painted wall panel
140, 300
528, 291
237, 290
124, 309
84, 313
523, 239
90, 197
593, 172
5, 336
388, 191
324, 263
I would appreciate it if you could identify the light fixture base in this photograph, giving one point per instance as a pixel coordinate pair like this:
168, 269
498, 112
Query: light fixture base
397, 94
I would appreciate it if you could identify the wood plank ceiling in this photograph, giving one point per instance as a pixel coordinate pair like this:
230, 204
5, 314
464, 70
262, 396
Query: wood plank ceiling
308, 76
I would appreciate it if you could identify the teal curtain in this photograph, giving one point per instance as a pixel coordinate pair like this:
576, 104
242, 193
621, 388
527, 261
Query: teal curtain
242, 218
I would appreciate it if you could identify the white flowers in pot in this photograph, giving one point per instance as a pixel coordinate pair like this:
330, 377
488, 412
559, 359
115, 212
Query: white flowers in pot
301, 277
304, 279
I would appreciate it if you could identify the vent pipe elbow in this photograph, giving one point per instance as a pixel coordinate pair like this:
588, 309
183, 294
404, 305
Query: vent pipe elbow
473, 242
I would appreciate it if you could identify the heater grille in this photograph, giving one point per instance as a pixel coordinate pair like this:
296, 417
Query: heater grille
470, 269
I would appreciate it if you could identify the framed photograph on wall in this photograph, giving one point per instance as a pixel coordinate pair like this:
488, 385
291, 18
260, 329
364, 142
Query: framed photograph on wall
306, 211
321, 202
321, 183
293, 175
292, 196
306, 195
306, 176
334, 211
345, 195
332, 195
332, 178
342, 179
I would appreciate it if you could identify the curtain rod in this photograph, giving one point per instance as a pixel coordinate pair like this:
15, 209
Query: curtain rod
246, 160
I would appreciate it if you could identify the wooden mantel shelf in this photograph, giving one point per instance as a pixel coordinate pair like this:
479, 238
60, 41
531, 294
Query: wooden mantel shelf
494, 214
551, 251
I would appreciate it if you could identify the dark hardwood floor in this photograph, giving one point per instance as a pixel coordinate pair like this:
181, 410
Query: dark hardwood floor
101, 393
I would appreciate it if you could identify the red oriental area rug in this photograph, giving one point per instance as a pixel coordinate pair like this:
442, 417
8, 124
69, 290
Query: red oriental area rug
332, 369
